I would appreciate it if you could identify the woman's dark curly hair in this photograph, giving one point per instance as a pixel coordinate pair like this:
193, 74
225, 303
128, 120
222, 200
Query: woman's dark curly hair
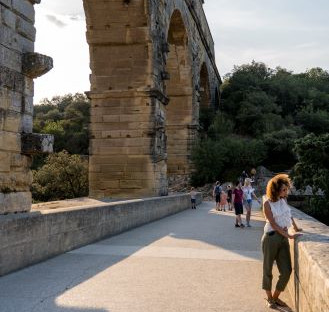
274, 186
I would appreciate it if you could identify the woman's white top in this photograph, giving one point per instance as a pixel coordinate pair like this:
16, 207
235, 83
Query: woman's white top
247, 192
281, 214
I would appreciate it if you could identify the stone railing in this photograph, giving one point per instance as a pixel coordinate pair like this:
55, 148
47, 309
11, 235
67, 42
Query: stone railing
309, 283
29, 238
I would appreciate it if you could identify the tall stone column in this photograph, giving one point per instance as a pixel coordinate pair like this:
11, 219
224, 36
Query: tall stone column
18, 66
127, 146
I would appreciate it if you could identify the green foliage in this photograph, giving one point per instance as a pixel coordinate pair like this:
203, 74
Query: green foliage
62, 176
67, 118
316, 121
225, 158
312, 169
206, 117
221, 126
277, 107
280, 146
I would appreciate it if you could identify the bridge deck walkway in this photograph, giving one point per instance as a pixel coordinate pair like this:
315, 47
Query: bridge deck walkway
190, 262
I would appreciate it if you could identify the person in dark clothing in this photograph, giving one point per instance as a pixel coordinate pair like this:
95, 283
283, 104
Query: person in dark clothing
229, 197
237, 199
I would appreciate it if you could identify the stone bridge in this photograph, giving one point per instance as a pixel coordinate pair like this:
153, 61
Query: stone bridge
153, 68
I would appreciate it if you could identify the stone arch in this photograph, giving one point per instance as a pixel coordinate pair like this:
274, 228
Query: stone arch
204, 90
179, 90
130, 116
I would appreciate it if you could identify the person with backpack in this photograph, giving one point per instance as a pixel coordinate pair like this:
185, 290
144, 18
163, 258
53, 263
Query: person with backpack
216, 194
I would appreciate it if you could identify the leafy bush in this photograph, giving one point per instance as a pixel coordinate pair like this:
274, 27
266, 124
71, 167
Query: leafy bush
62, 176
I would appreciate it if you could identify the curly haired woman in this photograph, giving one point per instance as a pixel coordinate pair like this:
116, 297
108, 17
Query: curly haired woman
275, 243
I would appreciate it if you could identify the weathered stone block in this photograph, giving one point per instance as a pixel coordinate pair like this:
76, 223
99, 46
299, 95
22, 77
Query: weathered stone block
11, 79
25, 28
10, 141
8, 18
36, 65
15, 202
27, 123
11, 101
10, 58
36, 143
21, 161
28, 87
4, 161
12, 122
24, 8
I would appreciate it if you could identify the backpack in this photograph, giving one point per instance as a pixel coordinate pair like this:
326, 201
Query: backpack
218, 189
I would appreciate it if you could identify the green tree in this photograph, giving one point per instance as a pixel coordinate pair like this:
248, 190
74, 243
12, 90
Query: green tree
62, 176
312, 169
225, 158
67, 117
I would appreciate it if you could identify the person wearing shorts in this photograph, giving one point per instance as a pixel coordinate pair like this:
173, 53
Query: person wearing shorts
216, 193
248, 194
237, 199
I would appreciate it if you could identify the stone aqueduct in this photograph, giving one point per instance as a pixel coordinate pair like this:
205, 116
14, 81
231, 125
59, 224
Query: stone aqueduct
153, 68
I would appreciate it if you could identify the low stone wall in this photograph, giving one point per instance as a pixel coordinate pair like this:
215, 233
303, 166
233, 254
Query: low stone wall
29, 238
309, 285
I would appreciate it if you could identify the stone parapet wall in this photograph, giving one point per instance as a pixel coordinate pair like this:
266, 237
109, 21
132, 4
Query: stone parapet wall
26, 239
309, 283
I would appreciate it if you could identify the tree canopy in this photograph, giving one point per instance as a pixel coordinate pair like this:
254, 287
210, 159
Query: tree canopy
266, 110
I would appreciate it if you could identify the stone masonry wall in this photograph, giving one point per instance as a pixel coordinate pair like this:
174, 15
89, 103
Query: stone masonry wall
137, 128
309, 283
18, 66
26, 239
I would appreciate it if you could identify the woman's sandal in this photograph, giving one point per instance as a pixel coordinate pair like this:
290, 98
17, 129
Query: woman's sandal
280, 303
270, 303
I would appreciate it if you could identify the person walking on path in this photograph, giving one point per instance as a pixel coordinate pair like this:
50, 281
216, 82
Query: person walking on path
237, 198
193, 198
248, 194
243, 176
275, 245
216, 194
223, 201
229, 197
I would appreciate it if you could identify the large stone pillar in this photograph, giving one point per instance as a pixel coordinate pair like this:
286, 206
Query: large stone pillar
127, 146
18, 66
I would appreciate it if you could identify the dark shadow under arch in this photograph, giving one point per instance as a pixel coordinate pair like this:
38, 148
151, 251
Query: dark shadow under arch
179, 113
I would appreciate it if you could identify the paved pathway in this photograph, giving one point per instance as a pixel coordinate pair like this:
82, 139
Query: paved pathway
194, 261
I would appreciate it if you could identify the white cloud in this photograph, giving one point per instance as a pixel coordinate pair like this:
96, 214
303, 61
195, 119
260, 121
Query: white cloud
55, 20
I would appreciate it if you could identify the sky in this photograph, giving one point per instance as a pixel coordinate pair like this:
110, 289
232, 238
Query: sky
293, 34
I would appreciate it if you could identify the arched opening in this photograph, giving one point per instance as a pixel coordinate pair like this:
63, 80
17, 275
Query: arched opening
180, 92
206, 112
204, 90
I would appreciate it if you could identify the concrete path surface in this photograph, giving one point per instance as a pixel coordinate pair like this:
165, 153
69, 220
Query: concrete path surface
194, 261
